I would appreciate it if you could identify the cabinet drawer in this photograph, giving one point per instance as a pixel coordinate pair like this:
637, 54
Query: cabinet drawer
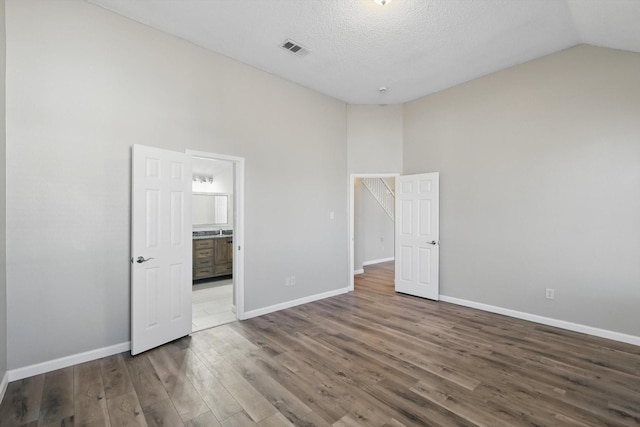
203, 262
223, 268
203, 272
203, 253
203, 244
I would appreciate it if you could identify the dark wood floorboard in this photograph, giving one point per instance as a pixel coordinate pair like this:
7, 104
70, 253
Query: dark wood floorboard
368, 358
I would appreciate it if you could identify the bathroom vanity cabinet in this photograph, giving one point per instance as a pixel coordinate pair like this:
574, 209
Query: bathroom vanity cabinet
212, 257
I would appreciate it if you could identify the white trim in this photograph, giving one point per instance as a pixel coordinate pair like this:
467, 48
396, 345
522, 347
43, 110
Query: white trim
3, 385
351, 236
63, 362
238, 224
358, 271
576, 327
293, 303
215, 156
377, 261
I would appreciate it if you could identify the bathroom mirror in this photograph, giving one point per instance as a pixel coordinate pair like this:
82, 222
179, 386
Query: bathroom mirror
210, 209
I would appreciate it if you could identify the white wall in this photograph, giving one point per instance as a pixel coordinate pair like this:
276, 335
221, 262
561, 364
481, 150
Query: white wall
83, 85
540, 186
3, 210
374, 138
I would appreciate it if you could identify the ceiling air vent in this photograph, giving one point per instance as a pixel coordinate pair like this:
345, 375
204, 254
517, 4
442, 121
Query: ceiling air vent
294, 47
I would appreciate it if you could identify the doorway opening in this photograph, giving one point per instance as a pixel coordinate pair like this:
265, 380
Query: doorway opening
217, 228
372, 228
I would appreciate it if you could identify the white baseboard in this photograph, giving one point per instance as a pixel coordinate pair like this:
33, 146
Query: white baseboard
576, 327
293, 303
3, 385
358, 271
63, 362
377, 261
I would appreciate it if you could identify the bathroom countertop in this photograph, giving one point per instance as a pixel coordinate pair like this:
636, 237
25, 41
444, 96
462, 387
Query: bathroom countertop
214, 236
211, 234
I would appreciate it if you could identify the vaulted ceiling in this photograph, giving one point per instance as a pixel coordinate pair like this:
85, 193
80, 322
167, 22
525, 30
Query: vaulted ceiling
410, 47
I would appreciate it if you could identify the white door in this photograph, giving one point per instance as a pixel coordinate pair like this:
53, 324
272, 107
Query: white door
417, 235
160, 247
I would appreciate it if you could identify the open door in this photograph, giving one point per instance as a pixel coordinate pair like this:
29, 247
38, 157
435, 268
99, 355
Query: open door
417, 235
160, 247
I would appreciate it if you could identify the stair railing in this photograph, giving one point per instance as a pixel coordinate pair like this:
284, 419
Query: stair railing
381, 191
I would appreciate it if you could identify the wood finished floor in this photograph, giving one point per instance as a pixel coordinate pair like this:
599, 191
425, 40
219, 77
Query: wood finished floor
371, 358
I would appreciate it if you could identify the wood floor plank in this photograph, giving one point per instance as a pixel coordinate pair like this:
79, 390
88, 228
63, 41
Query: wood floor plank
89, 396
281, 398
145, 380
276, 420
115, 376
162, 413
346, 421
270, 378
265, 344
462, 402
57, 398
203, 420
21, 403
311, 385
240, 419
212, 392
393, 423
184, 396
414, 409
125, 410
253, 403
226, 339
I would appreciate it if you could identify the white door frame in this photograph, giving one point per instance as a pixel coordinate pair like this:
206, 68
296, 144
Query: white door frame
238, 223
352, 183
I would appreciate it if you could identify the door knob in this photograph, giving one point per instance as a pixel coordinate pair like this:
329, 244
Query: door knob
433, 242
140, 260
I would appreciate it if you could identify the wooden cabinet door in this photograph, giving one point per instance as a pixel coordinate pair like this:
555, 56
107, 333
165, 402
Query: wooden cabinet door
223, 250
229, 249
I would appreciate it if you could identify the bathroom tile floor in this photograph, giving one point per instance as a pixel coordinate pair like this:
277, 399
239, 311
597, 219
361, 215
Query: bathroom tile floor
212, 302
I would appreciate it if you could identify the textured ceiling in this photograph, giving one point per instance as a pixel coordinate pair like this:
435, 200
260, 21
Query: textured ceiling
413, 47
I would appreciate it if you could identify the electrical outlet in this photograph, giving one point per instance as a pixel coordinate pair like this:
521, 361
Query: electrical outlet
290, 281
550, 293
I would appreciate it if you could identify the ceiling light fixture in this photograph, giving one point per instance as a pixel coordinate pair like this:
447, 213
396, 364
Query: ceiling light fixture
203, 179
382, 2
